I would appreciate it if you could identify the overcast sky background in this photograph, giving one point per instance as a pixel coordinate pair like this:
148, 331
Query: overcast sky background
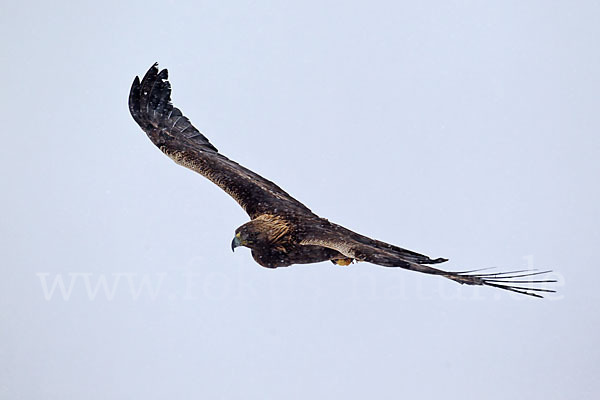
460, 129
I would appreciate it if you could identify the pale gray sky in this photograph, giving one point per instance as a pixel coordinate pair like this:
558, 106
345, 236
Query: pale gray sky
460, 129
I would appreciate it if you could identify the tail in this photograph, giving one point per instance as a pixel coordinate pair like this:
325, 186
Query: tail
150, 106
514, 281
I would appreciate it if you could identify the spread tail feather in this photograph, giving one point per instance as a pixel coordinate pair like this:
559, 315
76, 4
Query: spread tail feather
511, 281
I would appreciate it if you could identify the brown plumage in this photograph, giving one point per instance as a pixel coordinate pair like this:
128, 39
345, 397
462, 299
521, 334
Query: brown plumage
282, 231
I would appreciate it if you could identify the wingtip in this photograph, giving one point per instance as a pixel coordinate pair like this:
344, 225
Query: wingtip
136, 81
158, 72
151, 107
134, 99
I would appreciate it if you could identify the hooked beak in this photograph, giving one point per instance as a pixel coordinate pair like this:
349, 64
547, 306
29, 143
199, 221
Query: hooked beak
236, 242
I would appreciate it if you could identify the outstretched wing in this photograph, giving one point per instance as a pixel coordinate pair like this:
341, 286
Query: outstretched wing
151, 107
362, 248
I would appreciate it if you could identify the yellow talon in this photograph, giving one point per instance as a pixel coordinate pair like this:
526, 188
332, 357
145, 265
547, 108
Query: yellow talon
343, 262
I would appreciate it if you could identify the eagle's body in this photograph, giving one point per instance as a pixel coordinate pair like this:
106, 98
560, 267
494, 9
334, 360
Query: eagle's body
282, 231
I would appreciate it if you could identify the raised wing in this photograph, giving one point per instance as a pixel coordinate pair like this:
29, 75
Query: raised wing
362, 248
172, 132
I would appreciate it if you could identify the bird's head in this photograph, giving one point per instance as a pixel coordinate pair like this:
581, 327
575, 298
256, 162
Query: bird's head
248, 235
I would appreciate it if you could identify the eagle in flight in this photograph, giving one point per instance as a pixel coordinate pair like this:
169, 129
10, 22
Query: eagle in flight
282, 231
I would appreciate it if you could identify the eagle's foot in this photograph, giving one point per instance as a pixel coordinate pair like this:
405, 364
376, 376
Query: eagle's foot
344, 262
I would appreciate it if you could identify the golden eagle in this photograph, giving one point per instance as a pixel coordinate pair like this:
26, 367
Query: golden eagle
282, 231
